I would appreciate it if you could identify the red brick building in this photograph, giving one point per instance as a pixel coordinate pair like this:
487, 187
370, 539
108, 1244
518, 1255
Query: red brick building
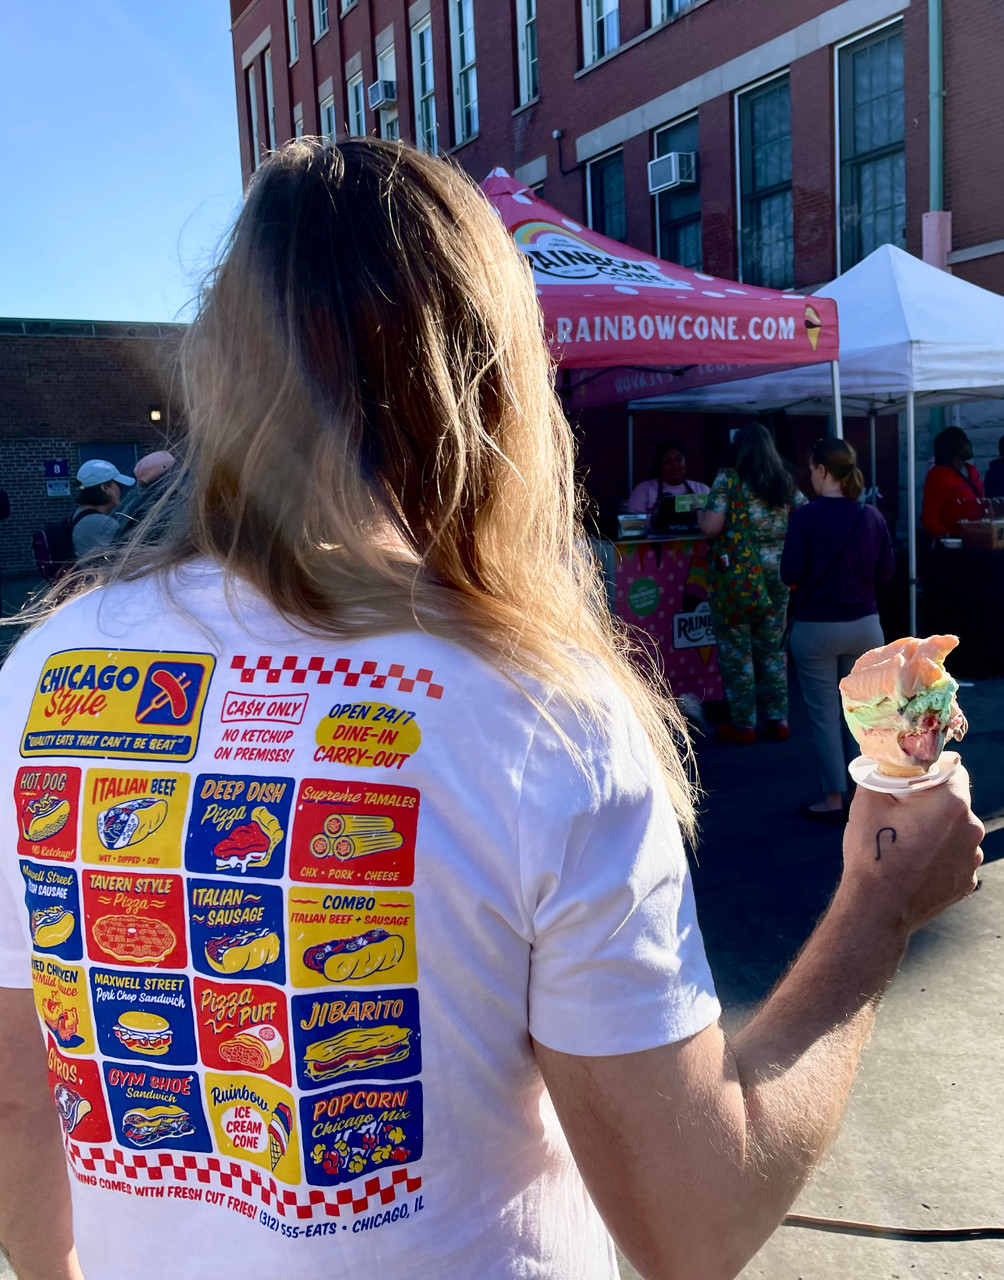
808, 121
808, 118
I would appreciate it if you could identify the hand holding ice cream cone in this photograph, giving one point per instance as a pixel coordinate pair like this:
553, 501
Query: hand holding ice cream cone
899, 703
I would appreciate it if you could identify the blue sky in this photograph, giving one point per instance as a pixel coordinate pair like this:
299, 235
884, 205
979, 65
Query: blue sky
118, 123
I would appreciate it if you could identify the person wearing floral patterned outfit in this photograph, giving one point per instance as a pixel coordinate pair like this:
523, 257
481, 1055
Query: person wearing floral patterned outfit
752, 665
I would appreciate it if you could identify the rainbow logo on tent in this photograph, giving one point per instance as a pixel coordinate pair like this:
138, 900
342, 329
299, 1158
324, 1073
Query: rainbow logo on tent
558, 255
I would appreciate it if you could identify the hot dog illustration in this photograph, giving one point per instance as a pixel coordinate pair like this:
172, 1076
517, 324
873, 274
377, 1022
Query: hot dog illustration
353, 959
130, 822
44, 817
51, 926
248, 949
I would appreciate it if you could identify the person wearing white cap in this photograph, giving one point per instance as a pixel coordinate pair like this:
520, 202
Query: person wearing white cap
100, 493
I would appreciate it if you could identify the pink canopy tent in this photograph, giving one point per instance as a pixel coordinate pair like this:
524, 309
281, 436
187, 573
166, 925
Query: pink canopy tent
642, 326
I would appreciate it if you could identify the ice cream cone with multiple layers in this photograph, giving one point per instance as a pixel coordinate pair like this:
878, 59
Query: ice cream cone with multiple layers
899, 703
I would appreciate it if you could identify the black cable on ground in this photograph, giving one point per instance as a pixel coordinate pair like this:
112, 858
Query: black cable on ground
922, 1234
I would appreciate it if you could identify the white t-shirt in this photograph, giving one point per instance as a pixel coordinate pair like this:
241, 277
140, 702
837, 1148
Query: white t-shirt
294, 909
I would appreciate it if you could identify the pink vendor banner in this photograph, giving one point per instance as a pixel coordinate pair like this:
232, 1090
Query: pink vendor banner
606, 304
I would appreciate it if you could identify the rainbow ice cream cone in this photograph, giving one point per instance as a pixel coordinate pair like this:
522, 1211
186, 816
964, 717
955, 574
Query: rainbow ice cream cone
279, 1128
899, 703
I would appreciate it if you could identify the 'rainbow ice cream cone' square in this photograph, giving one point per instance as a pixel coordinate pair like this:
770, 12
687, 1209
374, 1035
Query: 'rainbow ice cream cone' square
899, 703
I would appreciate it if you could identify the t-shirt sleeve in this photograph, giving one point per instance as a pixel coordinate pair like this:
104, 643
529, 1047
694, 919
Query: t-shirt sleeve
640, 498
617, 961
15, 954
718, 495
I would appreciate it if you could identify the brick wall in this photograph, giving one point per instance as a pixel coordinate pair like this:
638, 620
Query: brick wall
63, 385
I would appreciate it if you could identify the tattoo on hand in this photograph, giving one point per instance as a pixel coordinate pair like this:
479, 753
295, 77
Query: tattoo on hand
878, 840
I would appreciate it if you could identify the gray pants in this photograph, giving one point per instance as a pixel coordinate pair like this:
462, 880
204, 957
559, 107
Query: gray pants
824, 653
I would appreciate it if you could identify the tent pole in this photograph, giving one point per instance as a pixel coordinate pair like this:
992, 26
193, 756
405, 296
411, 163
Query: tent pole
838, 412
874, 468
911, 506
630, 442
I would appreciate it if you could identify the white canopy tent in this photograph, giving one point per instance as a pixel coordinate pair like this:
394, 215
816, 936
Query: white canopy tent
909, 334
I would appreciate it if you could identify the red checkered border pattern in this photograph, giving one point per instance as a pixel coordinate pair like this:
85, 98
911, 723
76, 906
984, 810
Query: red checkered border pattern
298, 670
177, 1166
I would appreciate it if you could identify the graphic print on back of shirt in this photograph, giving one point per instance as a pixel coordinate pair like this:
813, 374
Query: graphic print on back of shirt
52, 899
367, 735
60, 992
356, 1035
135, 918
133, 818
237, 930
144, 1016
358, 833
243, 1028
239, 825
47, 801
128, 703
156, 1106
350, 936
350, 1132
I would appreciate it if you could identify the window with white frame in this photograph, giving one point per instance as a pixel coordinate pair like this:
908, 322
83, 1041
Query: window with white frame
872, 129
326, 114
526, 45
767, 238
606, 196
251, 81
357, 106
601, 29
269, 103
294, 36
426, 134
390, 125
465, 72
320, 17
678, 211
298, 120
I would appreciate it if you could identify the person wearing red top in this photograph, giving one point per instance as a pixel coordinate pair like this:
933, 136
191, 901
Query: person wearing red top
953, 490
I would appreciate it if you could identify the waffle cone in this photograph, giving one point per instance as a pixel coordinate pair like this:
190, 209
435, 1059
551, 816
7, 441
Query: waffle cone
275, 1152
901, 770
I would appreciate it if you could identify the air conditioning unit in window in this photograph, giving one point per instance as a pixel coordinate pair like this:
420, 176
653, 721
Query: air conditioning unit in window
382, 93
676, 169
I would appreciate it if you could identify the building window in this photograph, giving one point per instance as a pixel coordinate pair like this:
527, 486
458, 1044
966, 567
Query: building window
465, 72
269, 103
607, 203
663, 10
251, 81
320, 18
326, 109
872, 130
298, 119
678, 211
766, 226
601, 29
390, 126
357, 108
526, 43
294, 38
426, 138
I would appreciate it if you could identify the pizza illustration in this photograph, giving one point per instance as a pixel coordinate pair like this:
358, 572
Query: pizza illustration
134, 939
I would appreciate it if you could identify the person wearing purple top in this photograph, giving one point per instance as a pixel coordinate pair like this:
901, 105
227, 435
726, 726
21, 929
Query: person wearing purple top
834, 553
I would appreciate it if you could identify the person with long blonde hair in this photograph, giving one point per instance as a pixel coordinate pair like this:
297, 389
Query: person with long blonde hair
349, 834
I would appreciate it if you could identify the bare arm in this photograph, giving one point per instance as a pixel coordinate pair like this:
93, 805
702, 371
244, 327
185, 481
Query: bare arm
711, 523
694, 1152
36, 1229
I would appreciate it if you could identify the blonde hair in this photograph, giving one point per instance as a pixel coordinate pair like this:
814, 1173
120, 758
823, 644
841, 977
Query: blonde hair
374, 440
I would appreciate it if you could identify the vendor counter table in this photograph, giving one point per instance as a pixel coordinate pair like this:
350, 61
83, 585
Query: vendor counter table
964, 596
661, 586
